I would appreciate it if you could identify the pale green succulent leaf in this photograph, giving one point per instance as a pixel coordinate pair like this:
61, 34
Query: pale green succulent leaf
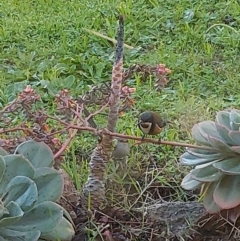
230, 166
204, 153
44, 217
23, 191
224, 133
188, 183
236, 149
235, 136
3, 210
2, 167
219, 144
14, 213
207, 164
208, 201
17, 165
13, 235
38, 153
234, 120
64, 231
190, 158
223, 118
235, 126
49, 184
226, 194
3, 152
206, 174
208, 128
197, 136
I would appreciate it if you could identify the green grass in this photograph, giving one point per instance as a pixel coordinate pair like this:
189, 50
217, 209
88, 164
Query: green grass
43, 43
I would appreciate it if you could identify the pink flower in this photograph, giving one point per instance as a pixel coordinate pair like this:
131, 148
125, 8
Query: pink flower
126, 90
163, 70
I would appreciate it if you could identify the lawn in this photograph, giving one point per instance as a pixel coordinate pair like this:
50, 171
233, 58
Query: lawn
46, 44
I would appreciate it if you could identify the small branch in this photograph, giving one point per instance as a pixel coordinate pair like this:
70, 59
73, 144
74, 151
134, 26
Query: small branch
72, 133
146, 140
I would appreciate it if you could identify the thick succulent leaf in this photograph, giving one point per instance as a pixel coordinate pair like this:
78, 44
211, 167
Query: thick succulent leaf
198, 137
206, 174
38, 153
219, 144
64, 231
223, 118
3, 152
208, 128
235, 136
14, 213
17, 165
2, 167
224, 133
236, 149
13, 235
226, 194
188, 183
49, 184
234, 120
208, 201
44, 217
235, 126
23, 191
207, 164
3, 210
204, 153
190, 158
230, 166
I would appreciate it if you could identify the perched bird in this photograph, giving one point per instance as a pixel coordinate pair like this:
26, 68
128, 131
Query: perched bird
121, 148
151, 123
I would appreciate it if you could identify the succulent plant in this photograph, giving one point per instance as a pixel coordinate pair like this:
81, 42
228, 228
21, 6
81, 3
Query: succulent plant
29, 187
217, 167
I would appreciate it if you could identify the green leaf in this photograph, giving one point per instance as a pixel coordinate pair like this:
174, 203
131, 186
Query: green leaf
197, 136
44, 216
2, 167
3, 152
219, 144
236, 149
191, 158
68, 82
208, 128
223, 119
206, 174
208, 201
49, 183
226, 194
230, 166
224, 133
64, 231
14, 213
23, 191
17, 165
235, 117
188, 15
188, 183
13, 235
235, 136
38, 153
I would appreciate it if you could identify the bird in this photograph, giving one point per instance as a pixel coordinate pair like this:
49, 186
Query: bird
151, 123
121, 148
